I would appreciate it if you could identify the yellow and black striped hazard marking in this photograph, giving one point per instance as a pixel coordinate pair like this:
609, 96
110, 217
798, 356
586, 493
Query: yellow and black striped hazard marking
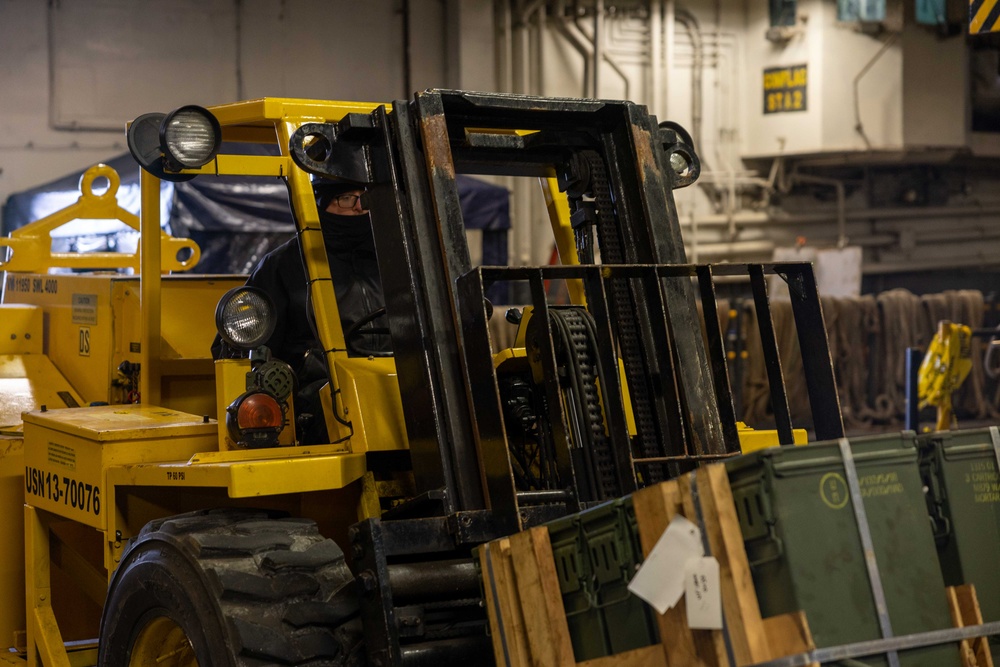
983, 15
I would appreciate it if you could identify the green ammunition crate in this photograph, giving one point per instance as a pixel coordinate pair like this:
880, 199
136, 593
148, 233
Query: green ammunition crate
959, 469
596, 554
805, 552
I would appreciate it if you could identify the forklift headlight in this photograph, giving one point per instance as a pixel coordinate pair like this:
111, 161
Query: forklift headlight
245, 317
190, 137
255, 419
186, 138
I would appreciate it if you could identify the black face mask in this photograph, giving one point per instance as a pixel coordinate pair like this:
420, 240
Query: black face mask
347, 232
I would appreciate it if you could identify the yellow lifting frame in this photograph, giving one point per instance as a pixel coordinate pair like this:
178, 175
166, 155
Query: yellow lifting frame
562, 230
321, 290
32, 244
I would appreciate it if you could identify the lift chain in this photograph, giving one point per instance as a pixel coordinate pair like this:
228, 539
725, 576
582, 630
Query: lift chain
623, 309
577, 333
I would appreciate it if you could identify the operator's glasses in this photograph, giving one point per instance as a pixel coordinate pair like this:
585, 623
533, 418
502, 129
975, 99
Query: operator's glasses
346, 201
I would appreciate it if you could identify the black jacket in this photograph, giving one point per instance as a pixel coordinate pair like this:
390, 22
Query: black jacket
356, 282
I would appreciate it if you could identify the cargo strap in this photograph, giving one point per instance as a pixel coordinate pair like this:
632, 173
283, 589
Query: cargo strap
878, 646
851, 472
995, 436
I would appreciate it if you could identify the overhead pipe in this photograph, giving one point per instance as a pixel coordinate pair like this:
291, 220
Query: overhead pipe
690, 23
613, 64
520, 82
520, 26
786, 237
524, 48
655, 53
984, 259
695, 247
407, 51
668, 53
240, 87
741, 177
577, 42
598, 45
735, 247
743, 219
539, 11
624, 39
532, 7
893, 214
859, 215
503, 47
591, 48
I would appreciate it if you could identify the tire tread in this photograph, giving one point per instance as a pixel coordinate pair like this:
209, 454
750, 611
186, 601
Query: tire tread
283, 590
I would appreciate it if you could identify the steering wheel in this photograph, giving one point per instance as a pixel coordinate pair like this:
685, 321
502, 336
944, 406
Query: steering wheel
354, 333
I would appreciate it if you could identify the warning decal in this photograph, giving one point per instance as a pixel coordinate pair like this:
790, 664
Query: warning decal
983, 15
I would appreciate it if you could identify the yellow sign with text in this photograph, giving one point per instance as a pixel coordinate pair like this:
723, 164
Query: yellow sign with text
785, 89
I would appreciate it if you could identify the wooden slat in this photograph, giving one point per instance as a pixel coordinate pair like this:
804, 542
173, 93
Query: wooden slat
710, 643
655, 507
510, 641
789, 634
964, 607
747, 634
647, 656
541, 601
685, 647
967, 654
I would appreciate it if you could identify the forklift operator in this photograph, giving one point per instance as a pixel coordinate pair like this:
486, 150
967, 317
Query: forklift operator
350, 249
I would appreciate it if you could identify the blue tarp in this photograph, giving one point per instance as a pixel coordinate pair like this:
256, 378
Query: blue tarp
234, 220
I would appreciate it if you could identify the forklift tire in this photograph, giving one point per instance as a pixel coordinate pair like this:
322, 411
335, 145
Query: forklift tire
231, 588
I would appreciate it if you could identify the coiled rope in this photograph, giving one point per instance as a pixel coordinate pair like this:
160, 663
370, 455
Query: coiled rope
868, 339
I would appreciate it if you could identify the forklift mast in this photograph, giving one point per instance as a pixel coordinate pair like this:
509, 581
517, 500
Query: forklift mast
618, 169
618, 392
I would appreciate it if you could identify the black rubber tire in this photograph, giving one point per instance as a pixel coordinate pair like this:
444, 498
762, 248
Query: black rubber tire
246, 588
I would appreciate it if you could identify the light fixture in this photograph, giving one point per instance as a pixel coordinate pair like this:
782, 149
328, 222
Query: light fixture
164, 144
245, 317
190, 137
255, 419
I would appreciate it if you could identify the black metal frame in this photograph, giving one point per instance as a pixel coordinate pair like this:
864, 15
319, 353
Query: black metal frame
435, 304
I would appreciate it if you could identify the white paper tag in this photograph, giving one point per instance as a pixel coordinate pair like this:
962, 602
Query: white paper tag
703, 594
660, 579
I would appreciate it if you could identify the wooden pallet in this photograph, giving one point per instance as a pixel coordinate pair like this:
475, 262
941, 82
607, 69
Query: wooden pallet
528, 622
964, 607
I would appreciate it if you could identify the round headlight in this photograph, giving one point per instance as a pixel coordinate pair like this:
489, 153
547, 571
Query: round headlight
245, 317
190, 136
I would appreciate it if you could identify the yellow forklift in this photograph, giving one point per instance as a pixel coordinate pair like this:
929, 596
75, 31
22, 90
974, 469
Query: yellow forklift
172, 514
